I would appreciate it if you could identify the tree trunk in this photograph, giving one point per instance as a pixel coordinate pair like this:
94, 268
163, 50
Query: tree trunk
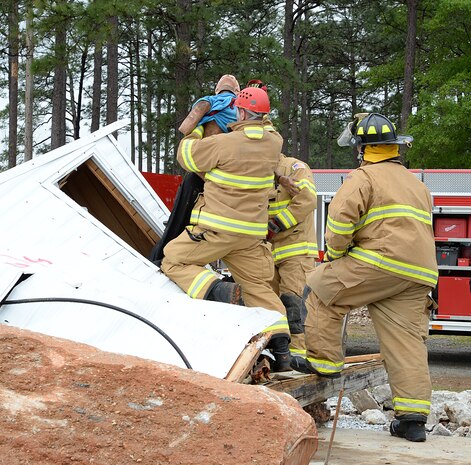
112, 69
96, 89
139, 102
411, 45
83, 70
329, 134
29, 83
13, 43
149, 92
304, 125
158, 113
286, 91
59, 88
182, 66
132, 104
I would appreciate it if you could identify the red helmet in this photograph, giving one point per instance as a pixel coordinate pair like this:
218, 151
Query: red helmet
253, 99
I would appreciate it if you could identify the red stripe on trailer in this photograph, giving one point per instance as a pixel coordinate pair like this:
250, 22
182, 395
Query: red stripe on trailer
455, 201
447, 171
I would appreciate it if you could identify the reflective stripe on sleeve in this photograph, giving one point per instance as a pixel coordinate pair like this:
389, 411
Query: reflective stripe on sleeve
228, 224
306, 183
286, 218
394, 211
299, 248
199, 131
411, 405
334, 254
340, 228
199, 282
395, 266
276, 207
187, 156
243, 182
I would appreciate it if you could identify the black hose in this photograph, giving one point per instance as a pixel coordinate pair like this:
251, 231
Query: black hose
102, 304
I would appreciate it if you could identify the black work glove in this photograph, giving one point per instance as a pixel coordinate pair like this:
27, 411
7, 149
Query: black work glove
273, 228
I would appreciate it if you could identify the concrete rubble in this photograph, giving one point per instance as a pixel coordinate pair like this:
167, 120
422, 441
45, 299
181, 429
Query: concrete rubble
450, 412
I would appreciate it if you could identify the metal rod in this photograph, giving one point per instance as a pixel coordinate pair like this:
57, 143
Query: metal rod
334, 426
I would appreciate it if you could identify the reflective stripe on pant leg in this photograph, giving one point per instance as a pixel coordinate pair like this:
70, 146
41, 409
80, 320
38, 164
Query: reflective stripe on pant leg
185, 259
401, 323
411, 405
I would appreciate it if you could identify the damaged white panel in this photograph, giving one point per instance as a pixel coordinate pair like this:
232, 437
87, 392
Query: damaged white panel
70, 254
210, 335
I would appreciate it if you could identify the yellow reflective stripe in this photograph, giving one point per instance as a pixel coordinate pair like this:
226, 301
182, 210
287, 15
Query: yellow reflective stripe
276, 207
199, 282
298, 352
394, 211
305, 183
340, 228
385, 128
254, 132
243, 182
286, 218
324, 366
299, 248
411, 405
228, 224
269, 127
282, 323
400, 268
333, 253
187, 157
199, 131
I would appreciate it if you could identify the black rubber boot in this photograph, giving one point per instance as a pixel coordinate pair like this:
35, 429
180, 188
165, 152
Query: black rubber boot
227, 292
279, 347
410, 427
295, 312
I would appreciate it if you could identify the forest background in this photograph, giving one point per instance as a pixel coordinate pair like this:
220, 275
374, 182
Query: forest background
68, 67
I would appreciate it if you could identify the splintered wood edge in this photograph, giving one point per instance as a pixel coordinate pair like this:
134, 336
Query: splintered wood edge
247, 358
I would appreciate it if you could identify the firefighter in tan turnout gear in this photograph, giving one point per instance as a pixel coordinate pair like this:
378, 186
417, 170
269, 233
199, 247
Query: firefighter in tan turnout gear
229, 221
294, 247
381, 249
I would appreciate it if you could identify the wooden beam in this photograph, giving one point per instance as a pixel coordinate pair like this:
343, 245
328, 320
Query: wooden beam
132, 212
247, 358
311, 389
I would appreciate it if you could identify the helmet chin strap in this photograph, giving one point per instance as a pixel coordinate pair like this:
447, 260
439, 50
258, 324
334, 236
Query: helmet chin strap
361, 153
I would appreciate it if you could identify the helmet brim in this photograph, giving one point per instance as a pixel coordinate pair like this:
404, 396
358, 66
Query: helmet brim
399, 140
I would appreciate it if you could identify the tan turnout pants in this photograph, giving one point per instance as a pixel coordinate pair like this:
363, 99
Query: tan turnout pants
248, 259
290, 278
398, 310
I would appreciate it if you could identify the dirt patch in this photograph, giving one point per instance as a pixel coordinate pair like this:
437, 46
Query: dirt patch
67, 403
